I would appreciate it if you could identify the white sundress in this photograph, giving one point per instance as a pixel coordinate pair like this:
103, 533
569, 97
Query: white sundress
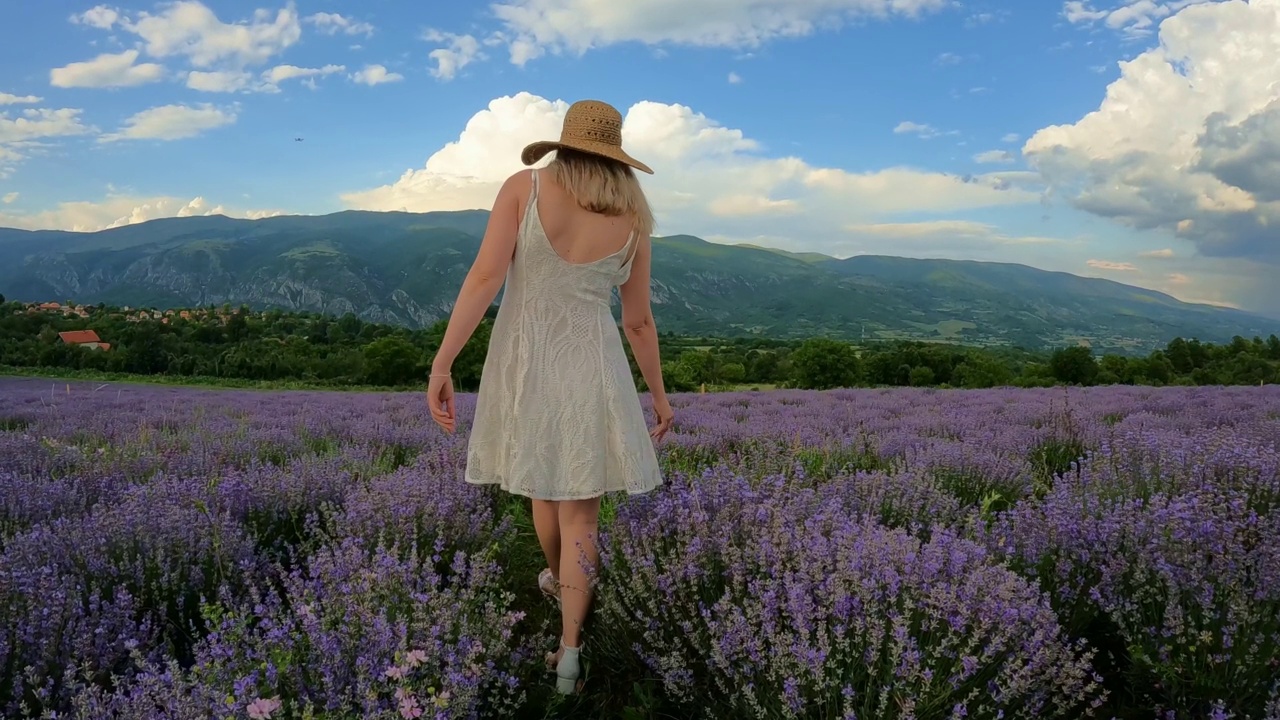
558, 416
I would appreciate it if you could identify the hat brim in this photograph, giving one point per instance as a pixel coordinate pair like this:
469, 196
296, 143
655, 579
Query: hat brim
538, 150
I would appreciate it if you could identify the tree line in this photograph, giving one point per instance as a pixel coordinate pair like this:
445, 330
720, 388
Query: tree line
319, 350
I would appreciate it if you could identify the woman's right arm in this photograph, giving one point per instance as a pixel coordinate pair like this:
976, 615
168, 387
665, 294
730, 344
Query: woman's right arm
642, 333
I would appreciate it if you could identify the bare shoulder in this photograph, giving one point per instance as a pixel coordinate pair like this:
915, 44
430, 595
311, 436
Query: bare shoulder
521, 176
515, 192
519, 182
644, 247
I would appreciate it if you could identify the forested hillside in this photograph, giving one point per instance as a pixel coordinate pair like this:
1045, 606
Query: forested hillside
237, 344
405, 269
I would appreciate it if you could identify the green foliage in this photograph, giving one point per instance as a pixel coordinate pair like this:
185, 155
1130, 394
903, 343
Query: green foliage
921, 376
821, 364
227, 346
392, 360
1074, 366
235, 346
980, 371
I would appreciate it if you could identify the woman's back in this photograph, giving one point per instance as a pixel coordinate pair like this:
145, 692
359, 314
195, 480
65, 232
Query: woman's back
578, 235
568, 280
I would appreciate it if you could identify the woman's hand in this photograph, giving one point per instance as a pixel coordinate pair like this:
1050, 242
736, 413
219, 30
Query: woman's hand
440, 400
662, 411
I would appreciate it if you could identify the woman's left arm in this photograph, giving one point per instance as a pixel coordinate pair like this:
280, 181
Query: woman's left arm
487, 273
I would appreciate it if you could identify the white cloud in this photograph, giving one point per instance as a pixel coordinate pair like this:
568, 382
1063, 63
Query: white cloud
10, 198
193, 30
735, 78
710, 180
9, 159
947, 229
106, 70
994, 156
905, 190
8, 99
35, 124
222, 81
29, 132
101, 17
906, 126
1112, 266
190, 29
1134, 18
948, 58
120, 210
1077, 11
375, 75
963, 239
171, 122
458, 52
1163, 254
228, 81
221, 53
979, 19
534, 27
1011, 138
1187, 139
280, 73
748, 205
333, 23
925, 131
1211, 283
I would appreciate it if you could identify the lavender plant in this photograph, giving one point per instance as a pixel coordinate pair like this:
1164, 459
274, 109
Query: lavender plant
768, 599
368, 629
131, 573
1167, 559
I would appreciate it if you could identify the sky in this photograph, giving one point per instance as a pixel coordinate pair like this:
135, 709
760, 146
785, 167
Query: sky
1135, 140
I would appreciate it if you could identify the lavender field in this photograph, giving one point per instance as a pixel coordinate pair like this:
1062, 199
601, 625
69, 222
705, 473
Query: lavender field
183, 553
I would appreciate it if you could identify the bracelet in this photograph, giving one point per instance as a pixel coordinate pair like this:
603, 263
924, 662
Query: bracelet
439, 375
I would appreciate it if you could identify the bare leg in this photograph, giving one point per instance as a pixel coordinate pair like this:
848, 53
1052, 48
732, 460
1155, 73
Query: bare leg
579, 522
546, 522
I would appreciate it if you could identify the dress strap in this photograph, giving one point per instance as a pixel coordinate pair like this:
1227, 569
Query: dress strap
630, 247
530, 205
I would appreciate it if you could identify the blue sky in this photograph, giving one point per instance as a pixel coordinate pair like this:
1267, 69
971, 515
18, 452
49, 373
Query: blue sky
1129, 139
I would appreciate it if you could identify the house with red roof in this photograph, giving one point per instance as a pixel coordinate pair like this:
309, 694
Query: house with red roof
83, 338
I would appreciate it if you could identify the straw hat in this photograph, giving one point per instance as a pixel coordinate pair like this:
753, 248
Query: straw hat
590, 126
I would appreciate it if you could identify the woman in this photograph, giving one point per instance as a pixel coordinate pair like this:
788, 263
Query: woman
558, 418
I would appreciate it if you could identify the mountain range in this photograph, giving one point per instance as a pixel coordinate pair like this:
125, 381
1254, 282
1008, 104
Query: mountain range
406, 268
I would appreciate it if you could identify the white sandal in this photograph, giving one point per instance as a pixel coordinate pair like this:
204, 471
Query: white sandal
548, 584
568, 668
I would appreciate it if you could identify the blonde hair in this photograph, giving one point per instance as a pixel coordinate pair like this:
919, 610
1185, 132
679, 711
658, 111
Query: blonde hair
602, 185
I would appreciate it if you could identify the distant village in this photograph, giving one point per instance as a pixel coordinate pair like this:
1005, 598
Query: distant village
89, 339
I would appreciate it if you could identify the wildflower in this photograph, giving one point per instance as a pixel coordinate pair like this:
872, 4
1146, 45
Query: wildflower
262, 708
409, 708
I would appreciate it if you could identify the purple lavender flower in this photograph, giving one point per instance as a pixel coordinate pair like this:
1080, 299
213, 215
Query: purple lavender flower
767, 597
